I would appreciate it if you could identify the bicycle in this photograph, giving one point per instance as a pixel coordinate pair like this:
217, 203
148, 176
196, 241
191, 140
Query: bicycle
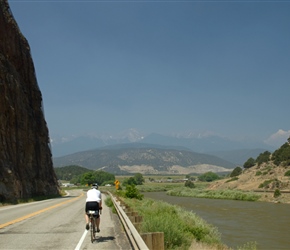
92, 217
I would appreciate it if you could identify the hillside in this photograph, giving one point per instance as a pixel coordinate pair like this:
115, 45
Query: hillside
253, 178
266, 177
233, 151
145, 159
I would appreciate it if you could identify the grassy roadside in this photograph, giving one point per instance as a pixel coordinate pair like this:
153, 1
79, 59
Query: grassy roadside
182, 229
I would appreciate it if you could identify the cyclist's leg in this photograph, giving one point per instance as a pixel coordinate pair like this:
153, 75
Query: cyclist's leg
87, 221
98, 219
87, 217
98, 224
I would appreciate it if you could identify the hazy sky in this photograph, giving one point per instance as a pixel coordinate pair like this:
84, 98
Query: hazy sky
161, 66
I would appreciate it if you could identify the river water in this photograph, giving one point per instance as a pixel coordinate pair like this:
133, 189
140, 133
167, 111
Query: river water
239, 222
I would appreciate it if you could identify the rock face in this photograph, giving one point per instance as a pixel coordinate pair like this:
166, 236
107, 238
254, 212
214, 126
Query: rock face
26, 168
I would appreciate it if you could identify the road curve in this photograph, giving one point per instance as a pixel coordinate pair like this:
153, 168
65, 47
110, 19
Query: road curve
58, 224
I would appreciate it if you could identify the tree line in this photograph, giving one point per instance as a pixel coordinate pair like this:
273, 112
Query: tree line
280, 157
83, 176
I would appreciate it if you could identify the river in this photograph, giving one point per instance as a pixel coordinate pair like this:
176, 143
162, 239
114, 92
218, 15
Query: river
239, 222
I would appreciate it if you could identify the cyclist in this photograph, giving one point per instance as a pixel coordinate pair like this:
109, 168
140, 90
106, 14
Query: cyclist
93, 202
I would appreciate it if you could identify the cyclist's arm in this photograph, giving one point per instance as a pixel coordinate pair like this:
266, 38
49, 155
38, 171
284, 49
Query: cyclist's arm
100, 202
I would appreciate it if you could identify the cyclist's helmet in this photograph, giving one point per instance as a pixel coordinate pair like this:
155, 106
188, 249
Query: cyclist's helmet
95, 185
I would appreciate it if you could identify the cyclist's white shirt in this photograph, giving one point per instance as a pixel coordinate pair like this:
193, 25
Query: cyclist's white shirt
94, 195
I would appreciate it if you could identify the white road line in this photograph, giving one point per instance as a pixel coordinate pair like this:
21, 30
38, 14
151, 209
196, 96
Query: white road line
78, 247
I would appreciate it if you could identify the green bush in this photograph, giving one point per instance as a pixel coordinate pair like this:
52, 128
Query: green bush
208, 177
263, 157
264, 184
129, 181
132, 192
237, 171
287, 173
137, 179
96, 177
282, 155
277, 193
189, 184
249, 163
258, 173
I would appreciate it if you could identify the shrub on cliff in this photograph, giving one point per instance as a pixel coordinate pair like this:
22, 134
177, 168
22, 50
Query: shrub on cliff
282, 155
250, 163
237, 171
277, 193
287, 173
263, 157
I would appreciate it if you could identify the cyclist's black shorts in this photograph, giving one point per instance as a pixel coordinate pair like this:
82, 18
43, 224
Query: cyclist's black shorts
92, 205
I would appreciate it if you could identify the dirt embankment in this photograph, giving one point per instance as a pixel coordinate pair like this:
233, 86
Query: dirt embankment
264, 179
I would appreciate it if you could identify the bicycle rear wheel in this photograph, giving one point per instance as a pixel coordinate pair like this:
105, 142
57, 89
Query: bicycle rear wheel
93, 229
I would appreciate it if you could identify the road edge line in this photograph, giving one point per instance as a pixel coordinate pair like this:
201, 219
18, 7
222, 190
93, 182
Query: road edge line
81, 240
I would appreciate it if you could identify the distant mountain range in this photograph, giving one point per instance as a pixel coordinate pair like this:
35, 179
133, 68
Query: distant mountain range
146, 159
229, 150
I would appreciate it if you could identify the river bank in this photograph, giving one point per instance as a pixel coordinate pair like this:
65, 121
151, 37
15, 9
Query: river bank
182, 229
240, 223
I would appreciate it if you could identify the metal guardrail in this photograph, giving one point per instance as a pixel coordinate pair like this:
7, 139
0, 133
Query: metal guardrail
134, 237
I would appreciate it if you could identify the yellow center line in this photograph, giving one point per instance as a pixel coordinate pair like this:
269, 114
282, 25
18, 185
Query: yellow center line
38, 212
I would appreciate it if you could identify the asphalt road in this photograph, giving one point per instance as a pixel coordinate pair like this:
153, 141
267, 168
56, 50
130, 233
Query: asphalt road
58, 224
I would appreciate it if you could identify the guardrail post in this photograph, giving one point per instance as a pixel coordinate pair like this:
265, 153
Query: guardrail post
154, 241
147, 237
158, 240
138, 219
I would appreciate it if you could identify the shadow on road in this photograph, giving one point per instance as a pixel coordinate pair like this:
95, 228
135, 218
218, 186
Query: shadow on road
105, 239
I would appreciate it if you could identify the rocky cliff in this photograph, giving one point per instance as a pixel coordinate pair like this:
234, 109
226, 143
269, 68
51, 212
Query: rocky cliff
26, 168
